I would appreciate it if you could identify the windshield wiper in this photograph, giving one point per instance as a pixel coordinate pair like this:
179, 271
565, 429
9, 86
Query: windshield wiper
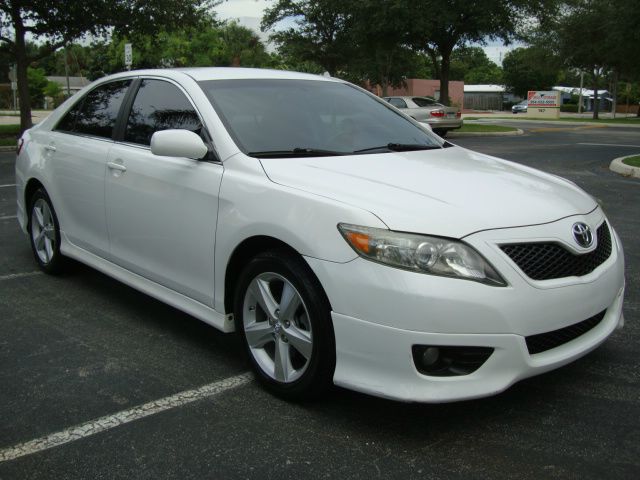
400, 147
296, 152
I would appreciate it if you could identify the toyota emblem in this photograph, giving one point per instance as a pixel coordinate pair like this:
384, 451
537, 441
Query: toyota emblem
582, 234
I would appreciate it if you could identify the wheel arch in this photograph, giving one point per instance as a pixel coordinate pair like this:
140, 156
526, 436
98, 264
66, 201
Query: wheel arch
33, 184
243, 253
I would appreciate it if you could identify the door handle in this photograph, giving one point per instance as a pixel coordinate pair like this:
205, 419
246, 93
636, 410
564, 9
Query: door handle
116, 166
51, 148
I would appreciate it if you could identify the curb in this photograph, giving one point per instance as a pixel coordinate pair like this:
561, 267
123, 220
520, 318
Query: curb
485, 134
555, 122
618, 166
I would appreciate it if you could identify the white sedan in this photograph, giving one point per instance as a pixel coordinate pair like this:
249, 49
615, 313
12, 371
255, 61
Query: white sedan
343, 241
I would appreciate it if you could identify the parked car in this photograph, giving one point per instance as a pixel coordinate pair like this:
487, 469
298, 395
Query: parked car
520, 107
343, 241
426, 110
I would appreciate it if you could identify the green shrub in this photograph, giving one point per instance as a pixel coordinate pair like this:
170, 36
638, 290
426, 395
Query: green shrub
571, 108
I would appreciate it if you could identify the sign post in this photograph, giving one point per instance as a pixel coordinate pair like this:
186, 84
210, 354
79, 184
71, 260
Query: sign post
13, 77
544, 104
128, 56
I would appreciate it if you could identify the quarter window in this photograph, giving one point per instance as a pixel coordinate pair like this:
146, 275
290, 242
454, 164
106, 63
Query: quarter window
398, 102
96, 114
158, 106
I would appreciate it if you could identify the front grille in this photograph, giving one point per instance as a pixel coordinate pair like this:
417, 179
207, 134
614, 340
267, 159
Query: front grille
546, 341
544, 261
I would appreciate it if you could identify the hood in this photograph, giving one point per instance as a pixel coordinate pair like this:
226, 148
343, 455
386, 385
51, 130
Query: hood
449, 192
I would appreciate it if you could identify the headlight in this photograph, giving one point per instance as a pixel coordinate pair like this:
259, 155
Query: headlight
420, 253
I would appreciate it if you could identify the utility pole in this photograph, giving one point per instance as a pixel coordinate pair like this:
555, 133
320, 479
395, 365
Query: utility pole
66, 68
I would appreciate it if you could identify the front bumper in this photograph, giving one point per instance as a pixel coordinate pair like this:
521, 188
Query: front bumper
380, 312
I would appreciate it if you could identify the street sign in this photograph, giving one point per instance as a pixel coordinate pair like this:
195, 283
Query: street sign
12, 74
14, 86
128, 56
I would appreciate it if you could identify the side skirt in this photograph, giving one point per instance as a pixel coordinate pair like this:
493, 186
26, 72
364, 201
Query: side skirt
196, 309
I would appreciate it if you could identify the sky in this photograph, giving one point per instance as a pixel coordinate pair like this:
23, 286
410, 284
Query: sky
249, 14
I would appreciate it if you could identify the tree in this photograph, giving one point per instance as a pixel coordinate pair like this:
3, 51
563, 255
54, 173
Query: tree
530, 68
359, 40
438, 26
37, 83
58, 22
321, 34
203, 46
473, 66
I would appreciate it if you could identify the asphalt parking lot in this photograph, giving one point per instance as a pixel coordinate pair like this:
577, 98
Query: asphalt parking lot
82, 347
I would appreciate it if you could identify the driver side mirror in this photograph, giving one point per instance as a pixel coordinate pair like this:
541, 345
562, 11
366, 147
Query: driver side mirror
178, 143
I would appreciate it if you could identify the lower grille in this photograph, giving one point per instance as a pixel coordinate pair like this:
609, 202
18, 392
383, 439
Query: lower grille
546, 341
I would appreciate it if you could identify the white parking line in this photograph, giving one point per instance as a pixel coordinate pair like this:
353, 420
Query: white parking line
8, 185
11, 276
8, 217
111, 421
610, 145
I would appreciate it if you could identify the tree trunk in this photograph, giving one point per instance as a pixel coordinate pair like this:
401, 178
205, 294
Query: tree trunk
614, 91
444, 78
22, 63
596, 103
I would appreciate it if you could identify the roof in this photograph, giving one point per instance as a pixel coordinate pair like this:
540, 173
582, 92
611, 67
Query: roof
585, 92
235, 73
74, 82
484, 89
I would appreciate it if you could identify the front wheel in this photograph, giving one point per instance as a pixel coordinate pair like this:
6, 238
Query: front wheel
284, 318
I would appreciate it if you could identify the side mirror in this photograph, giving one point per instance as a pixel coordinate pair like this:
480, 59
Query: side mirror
178, 143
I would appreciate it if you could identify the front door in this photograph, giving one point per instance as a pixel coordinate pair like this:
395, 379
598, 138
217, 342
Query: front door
162, 211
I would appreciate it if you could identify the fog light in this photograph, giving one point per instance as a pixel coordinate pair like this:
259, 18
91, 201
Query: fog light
430, 356
449, 360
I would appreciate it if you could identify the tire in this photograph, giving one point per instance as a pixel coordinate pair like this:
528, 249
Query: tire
441, 132
292, 352
44, 233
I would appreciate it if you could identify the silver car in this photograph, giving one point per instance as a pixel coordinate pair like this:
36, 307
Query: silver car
440, 118
520, 107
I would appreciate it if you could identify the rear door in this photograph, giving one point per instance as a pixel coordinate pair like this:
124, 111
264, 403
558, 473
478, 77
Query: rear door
162, 211
78, 147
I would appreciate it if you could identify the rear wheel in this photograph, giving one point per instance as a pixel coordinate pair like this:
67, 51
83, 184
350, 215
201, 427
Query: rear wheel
44, 233
440, 132
284, 318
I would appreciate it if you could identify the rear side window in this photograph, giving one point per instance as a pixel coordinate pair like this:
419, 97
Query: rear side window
159, 105
424, 102
97, 112
398, 102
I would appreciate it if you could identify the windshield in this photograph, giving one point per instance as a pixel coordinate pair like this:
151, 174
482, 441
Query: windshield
309, 117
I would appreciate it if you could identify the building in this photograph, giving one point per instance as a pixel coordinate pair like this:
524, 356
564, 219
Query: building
421, 87
605, 99
487, 97
75, 83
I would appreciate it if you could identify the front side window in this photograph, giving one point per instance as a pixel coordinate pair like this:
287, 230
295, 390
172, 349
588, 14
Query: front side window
286, 115
97, 112
159, 105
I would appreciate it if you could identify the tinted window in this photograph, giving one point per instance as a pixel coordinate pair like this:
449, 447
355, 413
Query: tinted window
68, 122
276, 115
398, 102
425, 102
99, 110
159, 106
